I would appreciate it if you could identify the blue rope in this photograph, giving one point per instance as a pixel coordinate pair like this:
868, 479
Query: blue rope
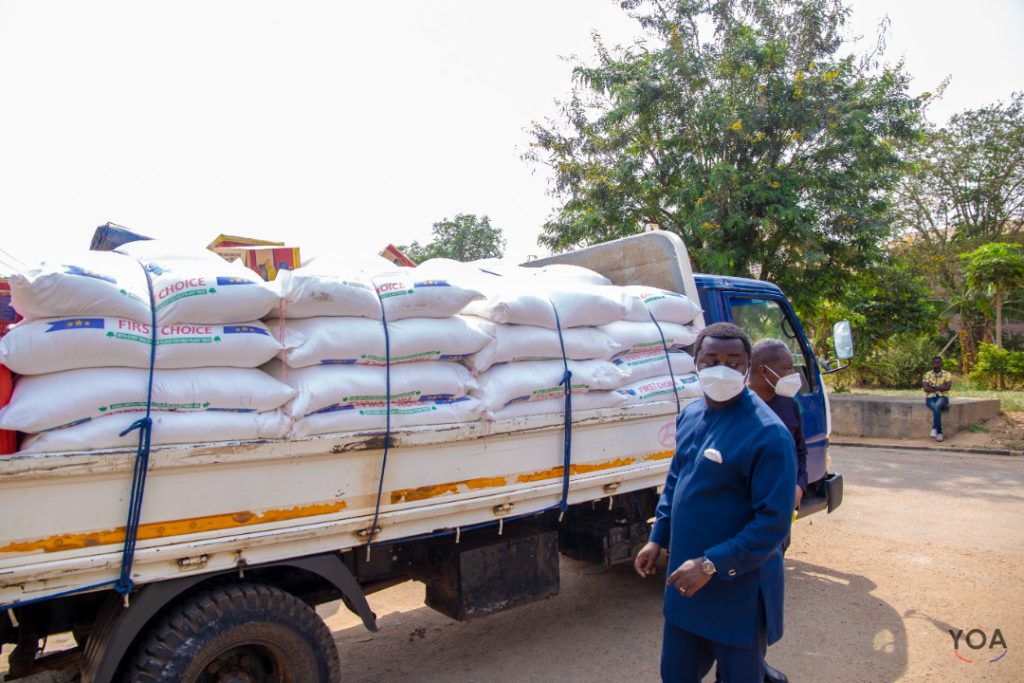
62, 594
387, 424
668, 359
124, 583
566, 382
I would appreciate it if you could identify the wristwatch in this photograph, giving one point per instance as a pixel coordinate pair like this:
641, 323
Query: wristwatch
707, 566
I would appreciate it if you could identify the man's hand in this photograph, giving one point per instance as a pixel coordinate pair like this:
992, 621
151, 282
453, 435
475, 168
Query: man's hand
645, 559
799, 496
689, 578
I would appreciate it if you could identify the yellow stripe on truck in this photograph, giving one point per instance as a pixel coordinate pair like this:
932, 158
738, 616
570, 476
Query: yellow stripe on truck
177, 527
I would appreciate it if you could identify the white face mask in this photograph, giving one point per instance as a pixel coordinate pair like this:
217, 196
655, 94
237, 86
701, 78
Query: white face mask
721, 383
787, 386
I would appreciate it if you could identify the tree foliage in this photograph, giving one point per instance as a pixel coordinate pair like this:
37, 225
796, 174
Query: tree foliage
963, 189
465, 237
965, 183
769, 151
999, 267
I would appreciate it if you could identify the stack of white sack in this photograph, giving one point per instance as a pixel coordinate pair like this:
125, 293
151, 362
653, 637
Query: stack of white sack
337, 347
658, 369
657, 375
538, 316
84, 347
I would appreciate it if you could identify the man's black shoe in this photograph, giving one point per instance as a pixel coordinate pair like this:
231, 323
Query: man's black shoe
772, 675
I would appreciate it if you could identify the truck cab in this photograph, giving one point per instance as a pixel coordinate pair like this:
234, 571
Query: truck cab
763, 311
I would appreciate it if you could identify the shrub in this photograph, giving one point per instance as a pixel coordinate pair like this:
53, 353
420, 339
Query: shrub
993, 361
899, 363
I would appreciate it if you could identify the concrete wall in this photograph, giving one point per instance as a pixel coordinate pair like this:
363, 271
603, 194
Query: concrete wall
900, 417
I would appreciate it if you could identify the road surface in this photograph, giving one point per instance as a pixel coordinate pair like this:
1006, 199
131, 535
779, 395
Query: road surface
924, 542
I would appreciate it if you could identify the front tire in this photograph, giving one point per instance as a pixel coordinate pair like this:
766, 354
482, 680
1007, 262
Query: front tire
242, 633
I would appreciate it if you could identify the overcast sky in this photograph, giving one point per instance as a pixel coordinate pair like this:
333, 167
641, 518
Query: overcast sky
341, 126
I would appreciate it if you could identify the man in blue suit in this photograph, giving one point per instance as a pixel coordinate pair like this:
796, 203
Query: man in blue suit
726, 508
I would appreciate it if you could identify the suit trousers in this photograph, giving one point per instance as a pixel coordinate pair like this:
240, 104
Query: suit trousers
687, 658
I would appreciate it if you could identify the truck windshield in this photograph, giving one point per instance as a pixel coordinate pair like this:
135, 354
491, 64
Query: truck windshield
763, 318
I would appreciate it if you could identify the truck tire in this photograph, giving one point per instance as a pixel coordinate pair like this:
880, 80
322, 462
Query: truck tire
241, 632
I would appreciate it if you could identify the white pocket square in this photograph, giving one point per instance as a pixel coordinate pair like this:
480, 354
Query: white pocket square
713, 455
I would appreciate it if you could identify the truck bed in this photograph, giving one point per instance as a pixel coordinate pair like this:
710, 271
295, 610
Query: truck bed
259, 501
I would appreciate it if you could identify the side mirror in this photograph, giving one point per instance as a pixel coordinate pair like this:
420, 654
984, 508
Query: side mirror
842, 340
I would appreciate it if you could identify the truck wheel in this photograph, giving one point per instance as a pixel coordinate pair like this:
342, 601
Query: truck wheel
243, 633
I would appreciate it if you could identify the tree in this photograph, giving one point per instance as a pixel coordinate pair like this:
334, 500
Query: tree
964, 187
769, 152
463, 238
998, 267
966, 181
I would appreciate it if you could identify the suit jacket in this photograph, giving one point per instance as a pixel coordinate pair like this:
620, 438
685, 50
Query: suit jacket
736, 512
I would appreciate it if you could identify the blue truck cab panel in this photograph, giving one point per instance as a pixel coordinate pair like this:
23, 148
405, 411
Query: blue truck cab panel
763, 310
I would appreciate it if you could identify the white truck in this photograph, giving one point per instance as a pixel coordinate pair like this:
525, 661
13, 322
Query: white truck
238, 542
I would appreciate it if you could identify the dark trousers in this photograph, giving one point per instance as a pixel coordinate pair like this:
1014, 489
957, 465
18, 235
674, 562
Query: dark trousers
937, 404
686, 658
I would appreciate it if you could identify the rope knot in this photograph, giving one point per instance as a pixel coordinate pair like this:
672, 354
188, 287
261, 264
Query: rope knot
124, 586
143, 424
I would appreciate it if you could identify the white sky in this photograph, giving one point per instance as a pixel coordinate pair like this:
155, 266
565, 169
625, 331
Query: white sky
341, 126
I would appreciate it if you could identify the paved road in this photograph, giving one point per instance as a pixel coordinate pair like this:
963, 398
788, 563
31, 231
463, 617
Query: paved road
924, 542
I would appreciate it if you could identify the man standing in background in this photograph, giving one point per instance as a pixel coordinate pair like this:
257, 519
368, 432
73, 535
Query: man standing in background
775, 381
936, 384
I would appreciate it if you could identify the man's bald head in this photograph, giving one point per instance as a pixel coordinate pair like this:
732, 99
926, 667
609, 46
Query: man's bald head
767, 352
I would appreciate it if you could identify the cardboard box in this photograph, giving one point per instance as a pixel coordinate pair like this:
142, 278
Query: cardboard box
8, 316
264, 260
224, 241
393, 254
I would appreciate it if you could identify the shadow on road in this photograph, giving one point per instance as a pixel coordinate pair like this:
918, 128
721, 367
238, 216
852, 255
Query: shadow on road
606, 625
837, 630
994, 478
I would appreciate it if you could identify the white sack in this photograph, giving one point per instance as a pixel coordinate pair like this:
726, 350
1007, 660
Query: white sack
661, 389
208, 291
565, 271
514, 343
342, 341
438, 288
42, 346
560, 271
42, 402
651, 363
373, 417
155, 251
88, 283
325, 289
533, 301
539, 380
636, 336
324, 387
589, 401
168, 428
669, 307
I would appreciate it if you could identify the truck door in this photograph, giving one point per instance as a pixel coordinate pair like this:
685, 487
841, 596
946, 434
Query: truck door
766, 316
